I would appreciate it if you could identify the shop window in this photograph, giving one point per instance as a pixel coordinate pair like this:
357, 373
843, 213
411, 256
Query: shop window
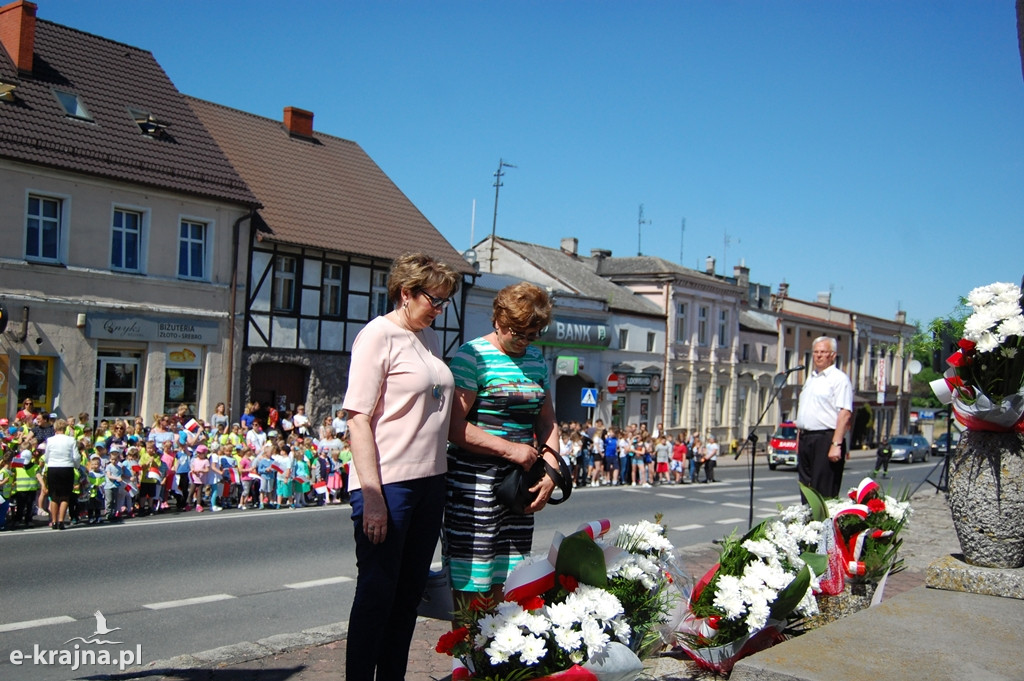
35, 381
117, 384
182, 379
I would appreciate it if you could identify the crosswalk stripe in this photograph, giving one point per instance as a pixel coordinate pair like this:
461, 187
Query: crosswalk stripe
684, 528
28, 624
317, 582
164, 605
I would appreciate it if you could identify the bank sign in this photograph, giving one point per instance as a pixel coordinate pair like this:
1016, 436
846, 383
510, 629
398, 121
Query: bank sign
130, 328
576, 334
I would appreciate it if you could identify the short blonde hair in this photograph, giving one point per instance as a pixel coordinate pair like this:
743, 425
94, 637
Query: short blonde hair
521, 306
418, 272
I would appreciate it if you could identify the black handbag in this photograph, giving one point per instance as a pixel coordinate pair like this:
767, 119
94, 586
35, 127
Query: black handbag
514, 491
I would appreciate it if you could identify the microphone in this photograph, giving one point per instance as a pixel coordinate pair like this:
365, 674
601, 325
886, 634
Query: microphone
799, 367
780, 378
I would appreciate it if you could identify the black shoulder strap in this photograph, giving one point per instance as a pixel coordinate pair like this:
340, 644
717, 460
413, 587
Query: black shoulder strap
561, 475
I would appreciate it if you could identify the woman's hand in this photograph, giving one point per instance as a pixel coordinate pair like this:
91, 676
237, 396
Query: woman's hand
375, 517
522, 454
543, 491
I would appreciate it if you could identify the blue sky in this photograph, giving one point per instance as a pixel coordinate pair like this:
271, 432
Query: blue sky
873, 149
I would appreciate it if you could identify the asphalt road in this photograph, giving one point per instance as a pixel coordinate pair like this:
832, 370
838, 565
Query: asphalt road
178, 584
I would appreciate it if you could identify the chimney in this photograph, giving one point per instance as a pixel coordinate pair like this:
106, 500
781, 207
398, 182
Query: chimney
298, 121
18, 32
742, 275
570, 244
783, 290
599, 255
901, 317
709, 265
825, 297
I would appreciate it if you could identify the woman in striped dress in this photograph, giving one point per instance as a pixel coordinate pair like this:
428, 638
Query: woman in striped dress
502, 417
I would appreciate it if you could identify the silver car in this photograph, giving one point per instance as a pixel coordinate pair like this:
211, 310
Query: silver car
909, 448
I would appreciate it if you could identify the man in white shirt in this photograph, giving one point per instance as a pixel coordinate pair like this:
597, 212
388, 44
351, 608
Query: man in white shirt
340, 423
823, 417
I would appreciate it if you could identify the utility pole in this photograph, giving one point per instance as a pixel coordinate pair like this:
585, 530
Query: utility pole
494, 225
640, 222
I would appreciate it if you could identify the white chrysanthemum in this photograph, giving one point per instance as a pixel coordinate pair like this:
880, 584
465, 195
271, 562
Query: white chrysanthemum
621, 629
762, 548
729, 597
757, 614
797, 513
1013, 325
562, 614
808, 605
594, 637
568, 638
769, 575
533, 650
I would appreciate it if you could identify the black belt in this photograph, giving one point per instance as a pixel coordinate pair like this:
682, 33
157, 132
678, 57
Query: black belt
817, 432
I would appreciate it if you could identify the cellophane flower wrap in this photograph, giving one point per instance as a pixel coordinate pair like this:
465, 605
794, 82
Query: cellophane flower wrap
867, 524
763, 579
986, 374
591, 608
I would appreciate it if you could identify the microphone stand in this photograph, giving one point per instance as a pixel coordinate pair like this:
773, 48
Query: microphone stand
777, 383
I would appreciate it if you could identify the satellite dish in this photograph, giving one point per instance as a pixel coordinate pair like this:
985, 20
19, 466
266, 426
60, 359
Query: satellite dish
914, 367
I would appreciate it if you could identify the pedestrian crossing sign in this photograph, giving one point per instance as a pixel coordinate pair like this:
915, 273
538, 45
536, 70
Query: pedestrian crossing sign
588, 398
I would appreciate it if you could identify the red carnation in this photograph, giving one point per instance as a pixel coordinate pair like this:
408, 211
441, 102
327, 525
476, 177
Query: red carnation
450, 639
532, 603
966, 345
876, 505
568, 582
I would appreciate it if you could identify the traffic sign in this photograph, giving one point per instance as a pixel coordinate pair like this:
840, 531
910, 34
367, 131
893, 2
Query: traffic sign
612, 384
588, 398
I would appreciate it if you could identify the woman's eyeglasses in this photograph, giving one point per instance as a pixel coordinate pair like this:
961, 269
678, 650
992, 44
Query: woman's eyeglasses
528, 336
436, 303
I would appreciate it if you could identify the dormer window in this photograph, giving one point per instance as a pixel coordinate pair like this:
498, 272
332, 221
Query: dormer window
72, 104
148, 123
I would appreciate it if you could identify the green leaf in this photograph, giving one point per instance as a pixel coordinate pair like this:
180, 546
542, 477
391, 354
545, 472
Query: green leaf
816, 561
819, 511
791, 596
580, 557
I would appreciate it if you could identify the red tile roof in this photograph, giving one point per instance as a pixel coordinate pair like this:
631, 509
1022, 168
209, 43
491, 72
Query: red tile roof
324, 192
110, 78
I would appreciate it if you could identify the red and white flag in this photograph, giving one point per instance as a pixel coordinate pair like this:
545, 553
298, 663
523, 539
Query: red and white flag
320, 487
136, 468
299, 479
130, 489
154, 474
192, 426
233, 475
276, 467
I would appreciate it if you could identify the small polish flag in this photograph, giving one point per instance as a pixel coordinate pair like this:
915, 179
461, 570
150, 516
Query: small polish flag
130, 489
299, 479
192, 426
18, 462
276, 467
136, 468
234, 476
320, 487
154, 473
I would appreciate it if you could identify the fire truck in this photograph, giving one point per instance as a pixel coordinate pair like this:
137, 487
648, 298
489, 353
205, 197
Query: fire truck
782, 446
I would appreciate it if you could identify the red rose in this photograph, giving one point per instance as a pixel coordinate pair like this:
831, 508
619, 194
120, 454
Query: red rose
568, 582
450, 639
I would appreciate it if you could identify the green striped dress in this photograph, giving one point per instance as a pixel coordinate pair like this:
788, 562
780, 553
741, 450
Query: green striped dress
484, 541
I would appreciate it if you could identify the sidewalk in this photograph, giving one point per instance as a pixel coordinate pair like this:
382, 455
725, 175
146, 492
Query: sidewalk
319, 654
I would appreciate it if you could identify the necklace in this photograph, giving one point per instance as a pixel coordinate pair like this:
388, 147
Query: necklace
436, 388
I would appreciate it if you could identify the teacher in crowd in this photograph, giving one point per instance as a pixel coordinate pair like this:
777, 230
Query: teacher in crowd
502, 418
399, 402
62, 458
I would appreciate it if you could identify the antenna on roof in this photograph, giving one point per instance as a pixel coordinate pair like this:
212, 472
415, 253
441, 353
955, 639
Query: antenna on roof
640, 222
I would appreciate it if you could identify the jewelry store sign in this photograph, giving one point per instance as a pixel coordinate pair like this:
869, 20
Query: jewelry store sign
147, 329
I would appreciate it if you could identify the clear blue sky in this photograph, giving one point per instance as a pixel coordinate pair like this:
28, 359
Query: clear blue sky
871, 148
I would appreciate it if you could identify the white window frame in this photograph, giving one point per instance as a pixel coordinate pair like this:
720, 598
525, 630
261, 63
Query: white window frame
623, 339
143, 215
379, 303
651, 338
60, 222
702, 326
207, 229
723, 328
681, 325
284, 289
329, 284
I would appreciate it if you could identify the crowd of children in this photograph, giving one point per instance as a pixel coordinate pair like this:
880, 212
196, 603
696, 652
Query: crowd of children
127, 468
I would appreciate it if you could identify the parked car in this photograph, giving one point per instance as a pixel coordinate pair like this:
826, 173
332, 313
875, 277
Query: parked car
909, 448
782, 446
939, 446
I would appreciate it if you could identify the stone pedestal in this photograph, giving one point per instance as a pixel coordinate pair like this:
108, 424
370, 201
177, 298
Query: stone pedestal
952, 573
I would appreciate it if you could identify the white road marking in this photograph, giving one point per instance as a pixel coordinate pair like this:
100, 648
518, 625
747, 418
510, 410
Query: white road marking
188, 601
684, 528
734, 505
29, 624
729, 521
317, 582
788, 497
669, 496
